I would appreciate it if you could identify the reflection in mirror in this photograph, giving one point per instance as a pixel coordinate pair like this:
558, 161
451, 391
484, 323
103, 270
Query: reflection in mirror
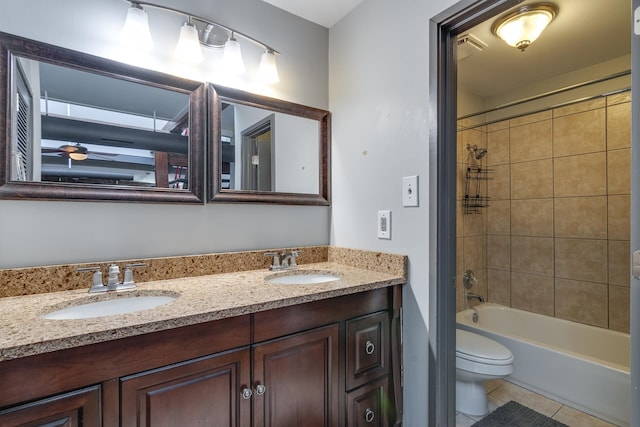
268, 150
88, 128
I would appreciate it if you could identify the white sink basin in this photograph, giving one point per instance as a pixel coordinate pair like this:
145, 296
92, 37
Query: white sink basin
111, 307
302, 278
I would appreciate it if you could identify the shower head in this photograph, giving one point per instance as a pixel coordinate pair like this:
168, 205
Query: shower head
480, 153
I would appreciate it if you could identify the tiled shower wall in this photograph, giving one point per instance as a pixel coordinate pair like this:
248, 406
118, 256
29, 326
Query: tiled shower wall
555, 238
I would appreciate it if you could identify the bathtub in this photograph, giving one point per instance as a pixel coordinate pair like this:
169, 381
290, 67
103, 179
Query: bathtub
582, 366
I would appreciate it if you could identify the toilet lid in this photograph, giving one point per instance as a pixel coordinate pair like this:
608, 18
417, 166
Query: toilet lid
477, 348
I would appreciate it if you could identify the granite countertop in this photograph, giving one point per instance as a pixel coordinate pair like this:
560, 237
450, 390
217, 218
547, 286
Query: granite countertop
203, 298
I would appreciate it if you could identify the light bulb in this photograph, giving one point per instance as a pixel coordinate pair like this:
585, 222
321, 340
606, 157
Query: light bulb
232, 57
135, 30
268, 71
188, 47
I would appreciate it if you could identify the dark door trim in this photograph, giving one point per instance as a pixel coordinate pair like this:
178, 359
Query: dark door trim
443, 30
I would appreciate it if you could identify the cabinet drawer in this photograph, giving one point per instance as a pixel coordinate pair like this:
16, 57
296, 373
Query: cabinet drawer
367, 406
367, 348
77, 408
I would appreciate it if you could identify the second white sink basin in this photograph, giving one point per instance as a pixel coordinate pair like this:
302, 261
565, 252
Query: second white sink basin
302, 278
110, 307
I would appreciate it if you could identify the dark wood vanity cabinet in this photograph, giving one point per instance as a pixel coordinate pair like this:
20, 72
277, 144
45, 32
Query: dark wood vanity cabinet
74, 409
333, 362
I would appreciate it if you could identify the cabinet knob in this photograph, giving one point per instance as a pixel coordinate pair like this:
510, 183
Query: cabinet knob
369, 415
260, 389
246, 393
369, 347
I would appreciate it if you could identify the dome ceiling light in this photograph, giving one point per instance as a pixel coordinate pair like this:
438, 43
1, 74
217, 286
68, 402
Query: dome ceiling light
523, 26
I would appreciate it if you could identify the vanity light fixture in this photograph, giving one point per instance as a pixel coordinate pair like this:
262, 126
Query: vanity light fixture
136, 31
268, 72
523, 26
232, 56
188, 47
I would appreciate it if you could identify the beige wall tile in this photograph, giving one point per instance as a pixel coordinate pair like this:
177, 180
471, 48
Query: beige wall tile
619, 171
532, 255
531, 118
619, 307
580, 107
474, 224
582, 302
532, 141
498, 147
532, 293
459, 219
498, 252
532, 180
579, 133
619, 217
619, 262
499, 287
461, 180
583, 175
474, 258
581, 217
619, 126
581, 259
532, 217
619, 98
499, 217
498, 126
499, 184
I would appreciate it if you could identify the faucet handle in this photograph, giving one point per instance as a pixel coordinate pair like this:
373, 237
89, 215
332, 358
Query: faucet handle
128, 273
294, 255
276, 260
96, 283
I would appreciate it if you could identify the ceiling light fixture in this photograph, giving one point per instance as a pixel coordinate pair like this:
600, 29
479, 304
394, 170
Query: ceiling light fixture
523, 26
136, 31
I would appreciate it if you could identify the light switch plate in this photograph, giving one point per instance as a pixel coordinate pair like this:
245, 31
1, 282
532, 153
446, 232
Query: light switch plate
410, 191
384, 224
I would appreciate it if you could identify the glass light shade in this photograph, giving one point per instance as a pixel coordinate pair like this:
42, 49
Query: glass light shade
268, 71
522, 29
136, 28
232, 57
188, 47
78, 156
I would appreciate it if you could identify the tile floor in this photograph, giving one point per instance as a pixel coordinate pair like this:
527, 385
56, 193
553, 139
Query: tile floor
500, 392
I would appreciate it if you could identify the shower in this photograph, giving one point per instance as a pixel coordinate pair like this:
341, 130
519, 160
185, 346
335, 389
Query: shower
478, 153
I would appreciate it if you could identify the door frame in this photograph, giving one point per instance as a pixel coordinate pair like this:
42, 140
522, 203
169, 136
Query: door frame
443, 30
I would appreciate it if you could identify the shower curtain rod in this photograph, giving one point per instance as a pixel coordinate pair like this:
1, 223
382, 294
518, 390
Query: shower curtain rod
555, 92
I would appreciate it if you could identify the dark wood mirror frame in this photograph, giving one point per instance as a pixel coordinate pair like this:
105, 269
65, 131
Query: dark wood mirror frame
220, 94
11, 45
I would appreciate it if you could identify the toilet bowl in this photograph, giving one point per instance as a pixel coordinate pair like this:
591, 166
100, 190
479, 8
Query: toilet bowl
478, 359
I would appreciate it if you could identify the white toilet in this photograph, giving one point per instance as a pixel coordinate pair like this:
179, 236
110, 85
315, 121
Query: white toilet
478, 359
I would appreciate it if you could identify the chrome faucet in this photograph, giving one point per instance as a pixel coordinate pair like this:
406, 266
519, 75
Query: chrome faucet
471, 295
288, 261
113, 283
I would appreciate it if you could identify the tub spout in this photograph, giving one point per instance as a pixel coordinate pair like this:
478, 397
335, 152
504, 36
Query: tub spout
471, 295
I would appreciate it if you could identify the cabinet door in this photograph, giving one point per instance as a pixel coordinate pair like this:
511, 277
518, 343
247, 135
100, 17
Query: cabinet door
368, 406
78, 408
296, 380
367, 348
201, 392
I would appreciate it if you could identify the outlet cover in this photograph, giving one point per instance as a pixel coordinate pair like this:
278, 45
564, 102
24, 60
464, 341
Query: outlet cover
410, 191
384, 224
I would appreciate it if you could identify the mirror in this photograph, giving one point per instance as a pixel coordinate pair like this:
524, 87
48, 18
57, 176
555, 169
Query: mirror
267, 150
78, 126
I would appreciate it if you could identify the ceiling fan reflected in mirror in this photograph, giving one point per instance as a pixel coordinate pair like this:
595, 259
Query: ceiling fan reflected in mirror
73, 152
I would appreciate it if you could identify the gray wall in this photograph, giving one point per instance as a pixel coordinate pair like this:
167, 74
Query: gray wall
45, 233
378, 94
